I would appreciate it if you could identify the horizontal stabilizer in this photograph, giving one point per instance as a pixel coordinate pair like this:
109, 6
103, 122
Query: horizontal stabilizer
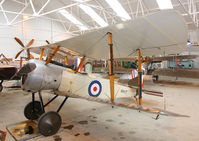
133, 83
133, 106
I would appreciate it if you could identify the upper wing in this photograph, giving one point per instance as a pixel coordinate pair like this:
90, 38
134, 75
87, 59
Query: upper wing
164, 32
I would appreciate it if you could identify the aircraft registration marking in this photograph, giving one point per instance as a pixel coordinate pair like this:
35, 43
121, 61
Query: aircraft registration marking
95, 88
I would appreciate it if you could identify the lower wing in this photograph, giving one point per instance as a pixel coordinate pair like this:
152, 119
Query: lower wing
133, 106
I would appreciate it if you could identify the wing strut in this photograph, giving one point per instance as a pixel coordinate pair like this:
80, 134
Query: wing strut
66, 60
111, 66
52, 55
41, 55
139, 77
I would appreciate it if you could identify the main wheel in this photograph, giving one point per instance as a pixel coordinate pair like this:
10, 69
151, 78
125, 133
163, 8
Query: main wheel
1, 88
33, 114
49, 123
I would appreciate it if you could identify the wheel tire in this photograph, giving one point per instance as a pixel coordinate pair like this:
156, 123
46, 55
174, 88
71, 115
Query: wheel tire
28, 110
49, 123
1, 88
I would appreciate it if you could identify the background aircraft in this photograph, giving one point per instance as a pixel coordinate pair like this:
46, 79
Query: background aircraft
6, 73
175, 66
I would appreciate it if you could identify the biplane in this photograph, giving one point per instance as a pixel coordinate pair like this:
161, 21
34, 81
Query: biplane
164, 32
176, 66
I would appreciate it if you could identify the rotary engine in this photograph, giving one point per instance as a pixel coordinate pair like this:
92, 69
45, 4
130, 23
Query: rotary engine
43, 77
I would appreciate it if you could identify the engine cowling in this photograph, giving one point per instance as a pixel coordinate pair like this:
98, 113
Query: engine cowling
43, 77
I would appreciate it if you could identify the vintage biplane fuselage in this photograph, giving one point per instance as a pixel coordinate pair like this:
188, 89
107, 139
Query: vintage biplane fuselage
57, 78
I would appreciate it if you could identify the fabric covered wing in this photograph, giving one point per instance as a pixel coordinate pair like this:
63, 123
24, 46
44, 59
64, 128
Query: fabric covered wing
164, 32
132, 106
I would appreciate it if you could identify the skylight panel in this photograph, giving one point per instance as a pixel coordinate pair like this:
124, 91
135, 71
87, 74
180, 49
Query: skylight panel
165, 4
119, 10
71, 18
88, 10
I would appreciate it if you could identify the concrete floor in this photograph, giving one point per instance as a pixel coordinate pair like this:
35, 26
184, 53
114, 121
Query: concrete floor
91, 121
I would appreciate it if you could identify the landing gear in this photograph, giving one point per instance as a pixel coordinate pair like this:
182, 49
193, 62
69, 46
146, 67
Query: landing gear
33, 110
48, 122
1, 86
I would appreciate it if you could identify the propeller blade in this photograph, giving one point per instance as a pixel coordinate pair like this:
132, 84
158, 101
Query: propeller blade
19, 41
19, 53
30, 43
47, 42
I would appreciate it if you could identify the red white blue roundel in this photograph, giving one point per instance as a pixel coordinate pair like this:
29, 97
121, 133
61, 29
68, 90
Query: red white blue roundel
94, 88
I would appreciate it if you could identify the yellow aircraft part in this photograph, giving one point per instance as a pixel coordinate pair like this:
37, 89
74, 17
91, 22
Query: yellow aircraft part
52, 55
66, 60
111, 66
112, 87
139, 78
41, 55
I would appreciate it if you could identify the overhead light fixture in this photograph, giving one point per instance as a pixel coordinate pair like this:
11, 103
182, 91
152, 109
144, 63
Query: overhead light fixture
120, 11
88, 10
165, 4
74, 20
25, 17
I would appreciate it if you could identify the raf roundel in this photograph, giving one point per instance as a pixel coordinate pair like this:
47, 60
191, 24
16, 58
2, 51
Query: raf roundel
94, 88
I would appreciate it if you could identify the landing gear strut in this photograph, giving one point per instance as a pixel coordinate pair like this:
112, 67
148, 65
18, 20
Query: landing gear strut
33, 109
48, 122
1, 86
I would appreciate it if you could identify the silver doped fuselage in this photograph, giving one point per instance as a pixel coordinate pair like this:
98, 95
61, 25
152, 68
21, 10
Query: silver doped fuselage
54, 77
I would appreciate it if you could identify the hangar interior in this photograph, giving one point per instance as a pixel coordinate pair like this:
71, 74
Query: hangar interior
158, 71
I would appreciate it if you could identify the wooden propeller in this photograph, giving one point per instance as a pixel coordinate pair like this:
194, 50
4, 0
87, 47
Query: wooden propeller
24, 48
